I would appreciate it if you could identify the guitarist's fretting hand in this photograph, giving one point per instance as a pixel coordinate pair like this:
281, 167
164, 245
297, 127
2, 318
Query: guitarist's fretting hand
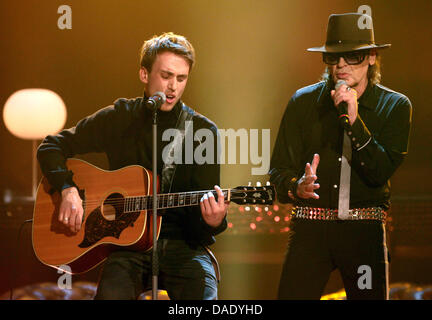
213, 211
71, 210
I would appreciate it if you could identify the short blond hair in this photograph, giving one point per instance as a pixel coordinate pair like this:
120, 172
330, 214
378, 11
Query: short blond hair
166, 42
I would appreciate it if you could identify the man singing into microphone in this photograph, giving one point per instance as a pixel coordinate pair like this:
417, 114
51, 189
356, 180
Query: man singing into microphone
123, 131
339, 142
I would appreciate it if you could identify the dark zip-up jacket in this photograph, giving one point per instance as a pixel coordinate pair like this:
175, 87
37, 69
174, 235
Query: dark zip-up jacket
123, 131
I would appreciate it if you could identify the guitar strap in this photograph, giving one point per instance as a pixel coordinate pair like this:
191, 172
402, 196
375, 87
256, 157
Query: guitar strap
169, 167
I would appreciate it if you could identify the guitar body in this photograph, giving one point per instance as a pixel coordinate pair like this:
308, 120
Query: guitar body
105, 228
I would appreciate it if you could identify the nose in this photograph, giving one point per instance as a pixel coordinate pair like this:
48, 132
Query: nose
172, 84
341, 62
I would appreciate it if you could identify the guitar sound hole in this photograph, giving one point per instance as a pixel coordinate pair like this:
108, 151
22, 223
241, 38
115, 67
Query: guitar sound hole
113, 206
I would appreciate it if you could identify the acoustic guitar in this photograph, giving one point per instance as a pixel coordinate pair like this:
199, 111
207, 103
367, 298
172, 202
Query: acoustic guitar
117, 214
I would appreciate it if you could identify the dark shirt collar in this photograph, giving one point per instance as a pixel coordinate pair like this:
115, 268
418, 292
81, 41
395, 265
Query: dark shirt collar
164, 116
368, 99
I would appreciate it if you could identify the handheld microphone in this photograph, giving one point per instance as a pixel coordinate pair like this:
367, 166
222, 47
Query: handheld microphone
156, 101
343, 106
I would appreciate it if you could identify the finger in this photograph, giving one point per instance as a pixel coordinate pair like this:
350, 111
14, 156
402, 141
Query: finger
338, 99
308, 171
74, 222
312, 187
309, 179
63, 211
307, 195
204, 201
61, 214
66, 216
221, 196
311, 195
72, 217
78, 220
212, 202
202, 206
315, 162
332, 93
342, 88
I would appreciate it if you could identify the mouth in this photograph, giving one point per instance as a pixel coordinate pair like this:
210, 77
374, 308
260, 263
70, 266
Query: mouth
170, 98
342, 75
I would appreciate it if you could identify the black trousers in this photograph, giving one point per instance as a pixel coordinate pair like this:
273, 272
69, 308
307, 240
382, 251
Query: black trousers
316, 248
186, 273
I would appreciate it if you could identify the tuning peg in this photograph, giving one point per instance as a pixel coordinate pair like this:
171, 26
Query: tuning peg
249, 184
258, 184
267, 183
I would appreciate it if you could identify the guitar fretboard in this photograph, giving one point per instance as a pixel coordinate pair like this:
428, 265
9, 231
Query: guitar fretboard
169, 200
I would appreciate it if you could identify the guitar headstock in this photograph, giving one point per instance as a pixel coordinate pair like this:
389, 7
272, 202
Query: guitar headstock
253, 195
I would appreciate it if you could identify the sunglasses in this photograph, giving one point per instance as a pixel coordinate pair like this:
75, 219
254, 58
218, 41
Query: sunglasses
351, 57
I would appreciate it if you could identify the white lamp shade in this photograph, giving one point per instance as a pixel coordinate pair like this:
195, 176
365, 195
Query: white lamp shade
34, 113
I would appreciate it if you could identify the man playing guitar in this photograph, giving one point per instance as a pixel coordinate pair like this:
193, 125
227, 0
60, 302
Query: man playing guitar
123, 132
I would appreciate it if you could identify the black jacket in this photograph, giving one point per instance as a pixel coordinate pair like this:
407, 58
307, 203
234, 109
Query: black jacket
123, 131
310, 125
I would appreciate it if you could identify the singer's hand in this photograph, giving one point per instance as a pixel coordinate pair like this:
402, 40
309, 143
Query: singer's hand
306, 185
350, 97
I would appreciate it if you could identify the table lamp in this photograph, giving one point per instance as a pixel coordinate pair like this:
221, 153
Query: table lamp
32, 114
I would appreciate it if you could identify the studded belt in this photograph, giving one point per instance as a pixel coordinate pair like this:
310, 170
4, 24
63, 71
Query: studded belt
372, 213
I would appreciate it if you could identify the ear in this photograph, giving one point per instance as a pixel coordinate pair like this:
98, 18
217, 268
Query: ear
372, 57
144, 75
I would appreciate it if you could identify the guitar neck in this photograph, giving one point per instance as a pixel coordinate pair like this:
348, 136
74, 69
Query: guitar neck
169, 200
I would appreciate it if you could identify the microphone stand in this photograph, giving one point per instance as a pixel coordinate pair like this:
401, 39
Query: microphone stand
155, 262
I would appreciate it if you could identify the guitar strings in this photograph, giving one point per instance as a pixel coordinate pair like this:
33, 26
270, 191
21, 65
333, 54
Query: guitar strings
149, 199
161, 198
124, 212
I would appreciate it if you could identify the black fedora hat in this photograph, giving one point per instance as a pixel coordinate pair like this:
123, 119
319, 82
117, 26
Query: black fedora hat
349, 32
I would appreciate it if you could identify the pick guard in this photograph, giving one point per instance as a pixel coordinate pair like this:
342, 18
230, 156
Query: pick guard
97, 227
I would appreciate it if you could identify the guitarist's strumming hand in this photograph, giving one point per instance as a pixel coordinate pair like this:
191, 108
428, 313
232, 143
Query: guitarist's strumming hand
212, 211
71, 210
